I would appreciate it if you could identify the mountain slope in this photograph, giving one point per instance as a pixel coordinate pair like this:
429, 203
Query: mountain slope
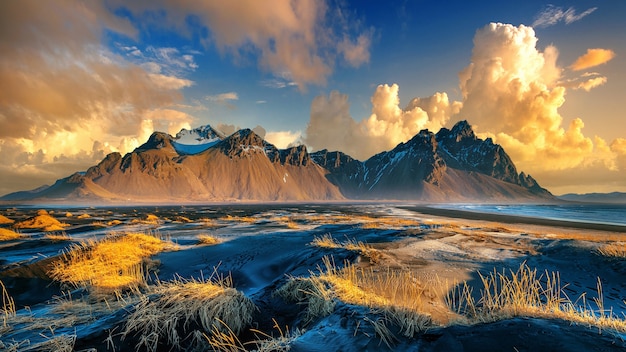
202, 165
453, 165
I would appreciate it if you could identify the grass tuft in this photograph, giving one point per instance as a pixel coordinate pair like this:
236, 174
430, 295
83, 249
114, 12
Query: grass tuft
8, 235
179, 311
524, 292
112, 264
208, 240
613, 250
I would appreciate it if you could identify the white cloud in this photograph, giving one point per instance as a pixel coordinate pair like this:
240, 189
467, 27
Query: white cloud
552, 15
332, 127
299, 37
283, 139
223, 97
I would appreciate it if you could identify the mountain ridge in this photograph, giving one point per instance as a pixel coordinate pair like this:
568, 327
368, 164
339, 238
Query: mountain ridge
451, 165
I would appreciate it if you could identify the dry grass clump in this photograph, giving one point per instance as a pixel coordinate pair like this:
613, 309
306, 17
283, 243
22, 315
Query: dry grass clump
613, 250
58, 236
5, 220
180, 313
229, 342
398, 296
327, 241
8, 235
526, 293
208, 240
115, 263
43, 221
150, 219
7, 310
83, 216
243, 219
114, 222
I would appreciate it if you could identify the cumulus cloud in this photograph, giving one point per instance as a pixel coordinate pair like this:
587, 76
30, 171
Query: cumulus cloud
332, 127
552, 15
297, 37
283, 139
512, 92
593, 57
65, 100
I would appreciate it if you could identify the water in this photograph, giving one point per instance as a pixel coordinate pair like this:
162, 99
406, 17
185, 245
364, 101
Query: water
612, 214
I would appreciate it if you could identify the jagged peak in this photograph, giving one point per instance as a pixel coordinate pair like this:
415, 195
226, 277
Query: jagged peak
198, 135
158, 140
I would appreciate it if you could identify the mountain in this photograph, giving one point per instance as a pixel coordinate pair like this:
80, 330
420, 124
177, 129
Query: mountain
239, 167
203, 165
606, 198
452, 165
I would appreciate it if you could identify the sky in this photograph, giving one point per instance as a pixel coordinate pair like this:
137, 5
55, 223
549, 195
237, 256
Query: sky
546, 80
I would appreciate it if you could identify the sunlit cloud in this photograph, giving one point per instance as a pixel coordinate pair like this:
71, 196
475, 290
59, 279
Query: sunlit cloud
295, 37
593, 57
332, 127
512, 92
283, 139
65, 99
552, 15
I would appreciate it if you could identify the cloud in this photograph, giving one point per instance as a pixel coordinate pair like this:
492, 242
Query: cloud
593, 57
511, 91
552, 15
332, 127
283, 139
298, 37
223, 97
591, 83
65, 99
356, 53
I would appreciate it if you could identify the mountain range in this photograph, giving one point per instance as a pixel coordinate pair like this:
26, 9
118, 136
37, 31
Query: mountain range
204, 165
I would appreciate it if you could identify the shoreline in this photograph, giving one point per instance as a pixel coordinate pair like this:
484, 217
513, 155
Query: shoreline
514, 219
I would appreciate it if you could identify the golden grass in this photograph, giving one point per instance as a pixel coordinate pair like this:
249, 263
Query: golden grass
399, 296
208, 240
526, 293
8, 308
115, 263
182, 311
613, 250
327, 241
227, 341
5, 220
8, 235
83, 216
114, 222
43, 220
243, 219
58, 236
150, 219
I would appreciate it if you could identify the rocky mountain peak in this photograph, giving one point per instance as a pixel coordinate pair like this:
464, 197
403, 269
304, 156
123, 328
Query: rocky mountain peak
245, 143
296, 156
198, 135
158, 140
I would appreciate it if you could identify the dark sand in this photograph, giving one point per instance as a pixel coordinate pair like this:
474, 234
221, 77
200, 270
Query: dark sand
512, 219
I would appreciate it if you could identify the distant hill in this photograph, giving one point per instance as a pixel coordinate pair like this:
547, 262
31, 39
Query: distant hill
203, 165
611, 198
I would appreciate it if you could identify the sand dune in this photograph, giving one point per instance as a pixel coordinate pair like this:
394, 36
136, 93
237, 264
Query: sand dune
323, 277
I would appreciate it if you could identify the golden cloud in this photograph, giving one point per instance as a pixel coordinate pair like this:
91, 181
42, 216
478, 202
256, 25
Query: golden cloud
593, 57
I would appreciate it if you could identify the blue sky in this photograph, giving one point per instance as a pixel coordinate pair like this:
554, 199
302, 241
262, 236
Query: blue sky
85, 79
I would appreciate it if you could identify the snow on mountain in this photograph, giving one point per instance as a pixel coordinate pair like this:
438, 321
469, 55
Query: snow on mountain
197, 140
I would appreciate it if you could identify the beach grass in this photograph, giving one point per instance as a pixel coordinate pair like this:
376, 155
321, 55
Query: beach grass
183, 311
117, 262
526, 292
8, 235
208, 240
613, 250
